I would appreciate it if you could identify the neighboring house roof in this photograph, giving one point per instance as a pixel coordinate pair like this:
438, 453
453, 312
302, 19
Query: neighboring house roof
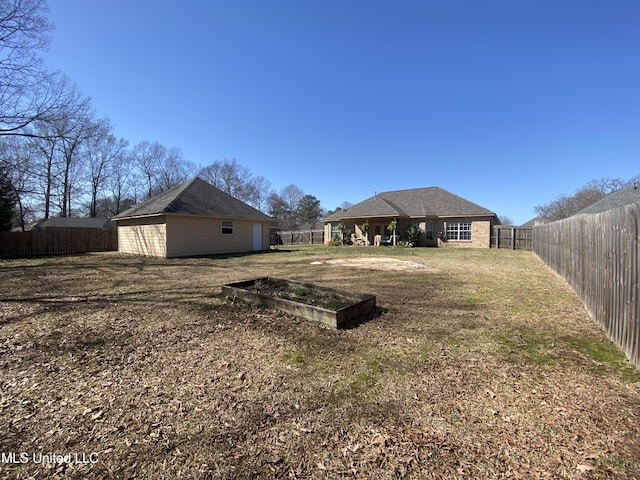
27, 228
534, 221
616, 199
305, 227
73, 222
195, 197
417, 202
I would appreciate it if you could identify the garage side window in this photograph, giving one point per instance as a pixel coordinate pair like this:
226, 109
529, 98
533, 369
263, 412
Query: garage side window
227, 227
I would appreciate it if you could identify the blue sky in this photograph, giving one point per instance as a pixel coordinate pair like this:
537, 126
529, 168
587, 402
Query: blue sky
507, 103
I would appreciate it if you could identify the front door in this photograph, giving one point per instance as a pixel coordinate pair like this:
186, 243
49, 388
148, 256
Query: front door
257, 237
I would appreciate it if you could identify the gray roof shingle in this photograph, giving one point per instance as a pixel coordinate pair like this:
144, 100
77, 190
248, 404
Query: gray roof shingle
73, 223
534, 221
195, 197
617, 199
417, 202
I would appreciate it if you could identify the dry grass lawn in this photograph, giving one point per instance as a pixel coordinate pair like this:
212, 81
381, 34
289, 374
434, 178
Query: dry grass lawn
478, 364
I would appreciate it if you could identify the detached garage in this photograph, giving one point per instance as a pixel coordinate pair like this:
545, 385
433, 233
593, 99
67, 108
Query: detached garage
194, 218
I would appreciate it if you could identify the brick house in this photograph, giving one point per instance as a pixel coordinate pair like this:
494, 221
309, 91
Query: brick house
445, 219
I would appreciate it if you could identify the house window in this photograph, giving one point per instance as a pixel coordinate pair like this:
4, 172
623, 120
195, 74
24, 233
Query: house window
429, 231
227, 227
377, 230
459, 230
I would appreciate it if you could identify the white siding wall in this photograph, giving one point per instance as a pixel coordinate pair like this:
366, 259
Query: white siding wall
188, 236
142, 237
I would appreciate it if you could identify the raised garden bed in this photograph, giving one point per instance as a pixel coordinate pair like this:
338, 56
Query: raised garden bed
331, 306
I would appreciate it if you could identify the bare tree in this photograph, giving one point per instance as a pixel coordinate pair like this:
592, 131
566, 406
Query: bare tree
103, 151
343, 206
74, 129
566, 206
173, 170
231, 177
292, 195
29, 93
283, 205
58, 150
45, 137
211, 174
148, 157
236, 179
633, 181
121, 181
258, 197
45, 168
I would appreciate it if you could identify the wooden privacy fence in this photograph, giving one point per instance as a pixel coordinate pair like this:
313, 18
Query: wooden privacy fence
56, 242
597, 254
515, 238
301, 237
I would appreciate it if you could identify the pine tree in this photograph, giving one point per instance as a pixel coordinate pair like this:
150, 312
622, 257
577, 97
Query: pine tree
7, 202
309, 211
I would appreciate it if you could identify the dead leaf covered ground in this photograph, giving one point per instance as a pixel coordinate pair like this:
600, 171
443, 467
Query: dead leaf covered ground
482, 365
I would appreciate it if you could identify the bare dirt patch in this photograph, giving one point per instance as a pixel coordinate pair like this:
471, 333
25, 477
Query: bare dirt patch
490, 370
374, 263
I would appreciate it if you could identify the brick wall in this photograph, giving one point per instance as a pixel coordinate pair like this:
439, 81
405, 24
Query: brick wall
480, 237
481, 234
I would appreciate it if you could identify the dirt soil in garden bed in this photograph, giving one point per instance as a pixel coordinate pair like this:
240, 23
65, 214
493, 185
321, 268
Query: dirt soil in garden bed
483, 366
302, 294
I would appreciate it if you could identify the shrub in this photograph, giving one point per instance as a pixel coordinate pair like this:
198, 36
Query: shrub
336, 241
413, 234
405, 243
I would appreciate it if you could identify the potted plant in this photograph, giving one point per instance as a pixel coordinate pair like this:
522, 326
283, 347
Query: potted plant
346, 231
365, 229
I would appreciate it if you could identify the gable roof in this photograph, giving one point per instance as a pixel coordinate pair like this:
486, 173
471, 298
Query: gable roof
534, 221
195, 197
616, 199
73, 223
417, 202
